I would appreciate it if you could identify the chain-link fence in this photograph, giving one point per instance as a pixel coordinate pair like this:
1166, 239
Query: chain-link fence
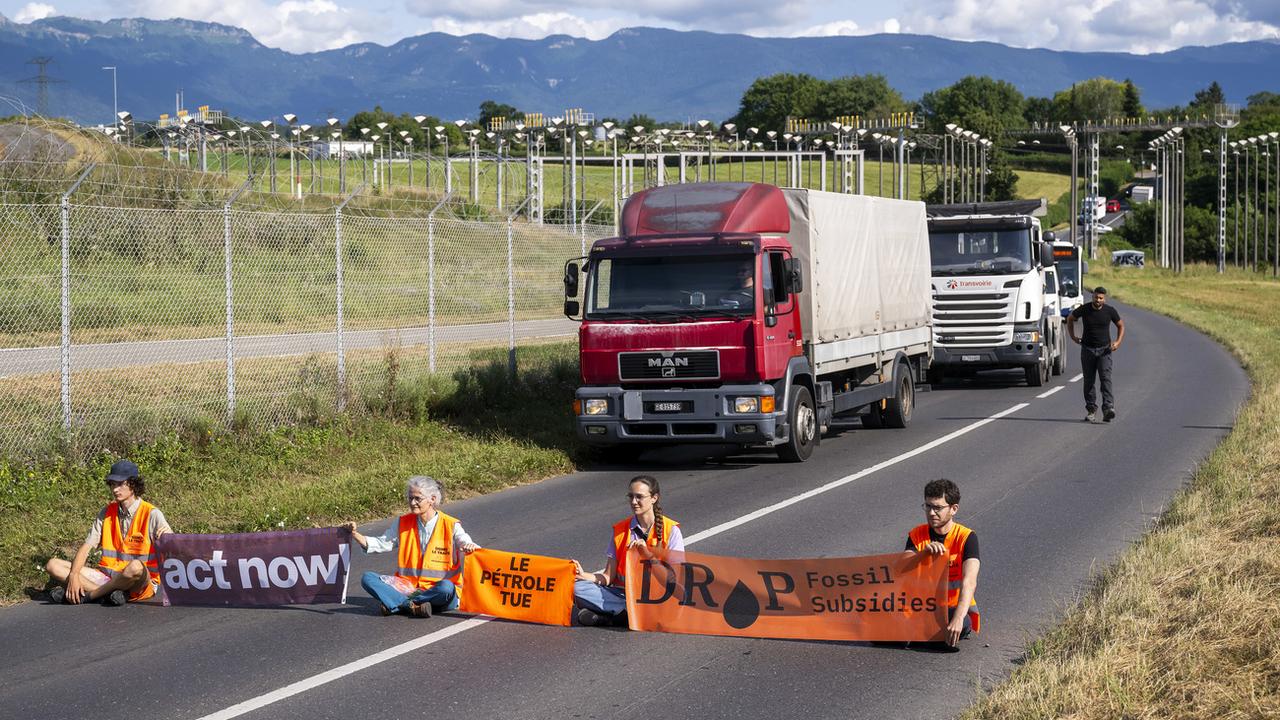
135, 300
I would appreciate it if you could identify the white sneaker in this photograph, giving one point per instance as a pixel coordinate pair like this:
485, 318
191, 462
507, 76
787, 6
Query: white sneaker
1091, 417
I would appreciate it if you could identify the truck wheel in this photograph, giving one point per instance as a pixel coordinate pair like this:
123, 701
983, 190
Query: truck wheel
1038, 373
897, 414
804, 427
1060, 361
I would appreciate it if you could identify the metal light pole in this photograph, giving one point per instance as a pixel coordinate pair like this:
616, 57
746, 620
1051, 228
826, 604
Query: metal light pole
1070, 134
1235, 197
1225, 119
115, 103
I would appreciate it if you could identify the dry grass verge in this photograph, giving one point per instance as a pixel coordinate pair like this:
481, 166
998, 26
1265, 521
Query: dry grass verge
1186, 624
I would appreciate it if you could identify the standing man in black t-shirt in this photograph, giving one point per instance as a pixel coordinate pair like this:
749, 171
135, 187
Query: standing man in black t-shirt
942, 535
1096, 348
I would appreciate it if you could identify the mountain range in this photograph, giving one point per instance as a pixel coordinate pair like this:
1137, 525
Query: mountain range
668, 74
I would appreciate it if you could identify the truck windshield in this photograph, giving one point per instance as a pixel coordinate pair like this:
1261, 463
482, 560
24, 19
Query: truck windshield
980, 252
1068, 272
672, 286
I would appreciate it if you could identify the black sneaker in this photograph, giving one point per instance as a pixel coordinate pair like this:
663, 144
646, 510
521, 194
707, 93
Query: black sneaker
1108, 415
115, 599
58, 595
421, 610
588, 618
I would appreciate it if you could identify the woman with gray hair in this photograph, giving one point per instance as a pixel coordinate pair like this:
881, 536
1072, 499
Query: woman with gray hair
430, 544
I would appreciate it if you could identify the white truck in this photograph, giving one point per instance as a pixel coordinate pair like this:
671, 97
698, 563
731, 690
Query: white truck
1092, 209
1141, 194
1071, 269
989, 291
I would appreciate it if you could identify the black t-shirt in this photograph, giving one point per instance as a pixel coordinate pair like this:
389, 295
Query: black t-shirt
1097, 324
970, 544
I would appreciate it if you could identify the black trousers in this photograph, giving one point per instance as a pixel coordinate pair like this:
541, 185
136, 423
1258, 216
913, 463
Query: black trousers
1097, 365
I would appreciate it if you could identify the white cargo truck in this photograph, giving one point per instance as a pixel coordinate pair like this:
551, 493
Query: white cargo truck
988, 291
1141, 194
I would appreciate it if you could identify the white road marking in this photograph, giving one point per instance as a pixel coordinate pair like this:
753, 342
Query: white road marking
342, 671
722, 527
1077, 378
1049, 392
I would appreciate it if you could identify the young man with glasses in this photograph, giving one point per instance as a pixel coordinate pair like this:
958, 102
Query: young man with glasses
429, 563
942, 535
126, 529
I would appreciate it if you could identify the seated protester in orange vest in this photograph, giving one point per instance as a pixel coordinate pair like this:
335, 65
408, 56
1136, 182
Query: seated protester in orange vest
429, 565
601, 595
942, 535
126, 529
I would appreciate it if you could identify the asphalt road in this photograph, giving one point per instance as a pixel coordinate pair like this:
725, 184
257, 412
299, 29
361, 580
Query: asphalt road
103, 356
1052, 498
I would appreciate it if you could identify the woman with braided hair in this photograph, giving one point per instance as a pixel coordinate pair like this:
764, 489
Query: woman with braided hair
601, 596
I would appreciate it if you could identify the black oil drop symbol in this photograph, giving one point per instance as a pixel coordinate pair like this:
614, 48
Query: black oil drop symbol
741, 608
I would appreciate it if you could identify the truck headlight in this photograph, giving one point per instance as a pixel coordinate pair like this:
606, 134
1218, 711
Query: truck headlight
595, 406
1026, 337
762, 404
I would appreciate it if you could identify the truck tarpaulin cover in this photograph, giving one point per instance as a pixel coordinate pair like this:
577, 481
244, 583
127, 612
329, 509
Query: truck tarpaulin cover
866, 263
292, 567
901, 596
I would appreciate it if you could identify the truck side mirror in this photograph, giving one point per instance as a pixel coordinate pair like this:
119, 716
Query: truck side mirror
792, 279
1046, 254
1050, 236
572, 308
571, 280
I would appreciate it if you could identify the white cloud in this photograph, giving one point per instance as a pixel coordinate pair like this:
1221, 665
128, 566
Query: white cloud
892, 26
1140, 26
34, 11
293, 25
726, 14
839, 27
532, 27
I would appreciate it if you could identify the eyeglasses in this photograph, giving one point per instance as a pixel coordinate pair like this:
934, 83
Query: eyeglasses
934, 509
637, 496
415, 500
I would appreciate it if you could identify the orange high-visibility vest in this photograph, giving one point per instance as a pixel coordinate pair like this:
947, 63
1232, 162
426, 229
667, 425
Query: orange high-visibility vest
622, 529
118, 549
425, 569
955, 561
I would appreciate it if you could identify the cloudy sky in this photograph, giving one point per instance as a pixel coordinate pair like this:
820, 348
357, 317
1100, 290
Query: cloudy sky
1140, 26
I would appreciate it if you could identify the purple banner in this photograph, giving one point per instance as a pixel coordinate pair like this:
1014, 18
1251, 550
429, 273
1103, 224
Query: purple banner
294, 567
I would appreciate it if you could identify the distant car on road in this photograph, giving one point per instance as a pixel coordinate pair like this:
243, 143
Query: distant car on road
1113, 206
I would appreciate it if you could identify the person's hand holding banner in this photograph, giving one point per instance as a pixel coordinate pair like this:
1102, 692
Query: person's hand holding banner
879, 597
518, 586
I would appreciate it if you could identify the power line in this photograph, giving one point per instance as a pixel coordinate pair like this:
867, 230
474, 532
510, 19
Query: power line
42, 82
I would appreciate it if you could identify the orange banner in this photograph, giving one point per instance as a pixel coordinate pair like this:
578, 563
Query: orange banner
518, 586
878, 597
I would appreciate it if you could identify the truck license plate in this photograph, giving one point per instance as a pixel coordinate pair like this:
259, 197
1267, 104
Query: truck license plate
971, 358
668, 406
